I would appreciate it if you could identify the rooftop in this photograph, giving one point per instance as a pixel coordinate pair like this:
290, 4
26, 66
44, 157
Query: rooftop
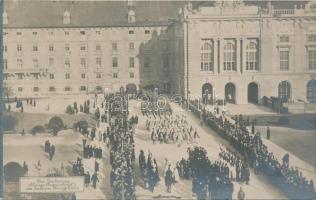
37, 14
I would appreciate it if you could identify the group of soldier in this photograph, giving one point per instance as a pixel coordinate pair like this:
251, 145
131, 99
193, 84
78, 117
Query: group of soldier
171, 128
92, 151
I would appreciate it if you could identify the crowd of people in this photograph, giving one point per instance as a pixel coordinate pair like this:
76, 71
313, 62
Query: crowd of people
209, 179
252, 148
242, 171
148, 170
90, 151
122, 152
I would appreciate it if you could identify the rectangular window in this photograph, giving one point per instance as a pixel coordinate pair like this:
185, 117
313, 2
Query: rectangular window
284, 59
131, 45
115, 75
34, 33
82, 32
19, 63
35, 63
20, 89
284, 38
51, 62
114, 46
131, 62
131, 74
98, 75
67, 63
251, 63
35, 48
98, 47
67, 76
83, 62
114, 62
51, 48
5, 48
19, 48
51, 76
311, 38
147, 31
66, 33
82, 88
98, 61
83, 76
312, 59
207, 55
131, 32
83, 48
230, 56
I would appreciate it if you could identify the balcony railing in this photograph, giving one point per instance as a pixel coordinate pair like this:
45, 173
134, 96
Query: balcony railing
282, 12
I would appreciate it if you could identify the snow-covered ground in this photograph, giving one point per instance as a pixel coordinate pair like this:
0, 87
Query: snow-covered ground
53, 105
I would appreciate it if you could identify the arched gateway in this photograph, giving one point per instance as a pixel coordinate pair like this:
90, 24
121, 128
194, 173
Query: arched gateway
230, 93
207, 93
253, 92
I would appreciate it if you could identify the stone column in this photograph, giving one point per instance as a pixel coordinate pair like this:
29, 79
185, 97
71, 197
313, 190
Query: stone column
238, 55
220, 49
215, 51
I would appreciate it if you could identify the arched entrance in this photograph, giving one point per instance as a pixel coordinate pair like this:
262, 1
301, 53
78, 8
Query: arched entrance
253, 92
311, 91
131, 88
207, 93
230, 93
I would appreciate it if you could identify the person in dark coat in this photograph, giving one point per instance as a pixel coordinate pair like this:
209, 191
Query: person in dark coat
94, 179
268, 133
168, 179
96, 166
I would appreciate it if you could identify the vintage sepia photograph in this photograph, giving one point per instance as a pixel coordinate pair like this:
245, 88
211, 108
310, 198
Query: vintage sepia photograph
148, 99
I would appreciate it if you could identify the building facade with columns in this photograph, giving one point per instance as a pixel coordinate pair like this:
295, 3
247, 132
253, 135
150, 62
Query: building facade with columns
73, 47
241, 52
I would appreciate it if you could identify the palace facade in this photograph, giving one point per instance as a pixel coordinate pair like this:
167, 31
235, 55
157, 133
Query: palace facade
229, 50
242, 53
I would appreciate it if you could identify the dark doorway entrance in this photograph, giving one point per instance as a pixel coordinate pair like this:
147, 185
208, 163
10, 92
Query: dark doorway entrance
253, 93
207, 93
131, 88
230, 93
